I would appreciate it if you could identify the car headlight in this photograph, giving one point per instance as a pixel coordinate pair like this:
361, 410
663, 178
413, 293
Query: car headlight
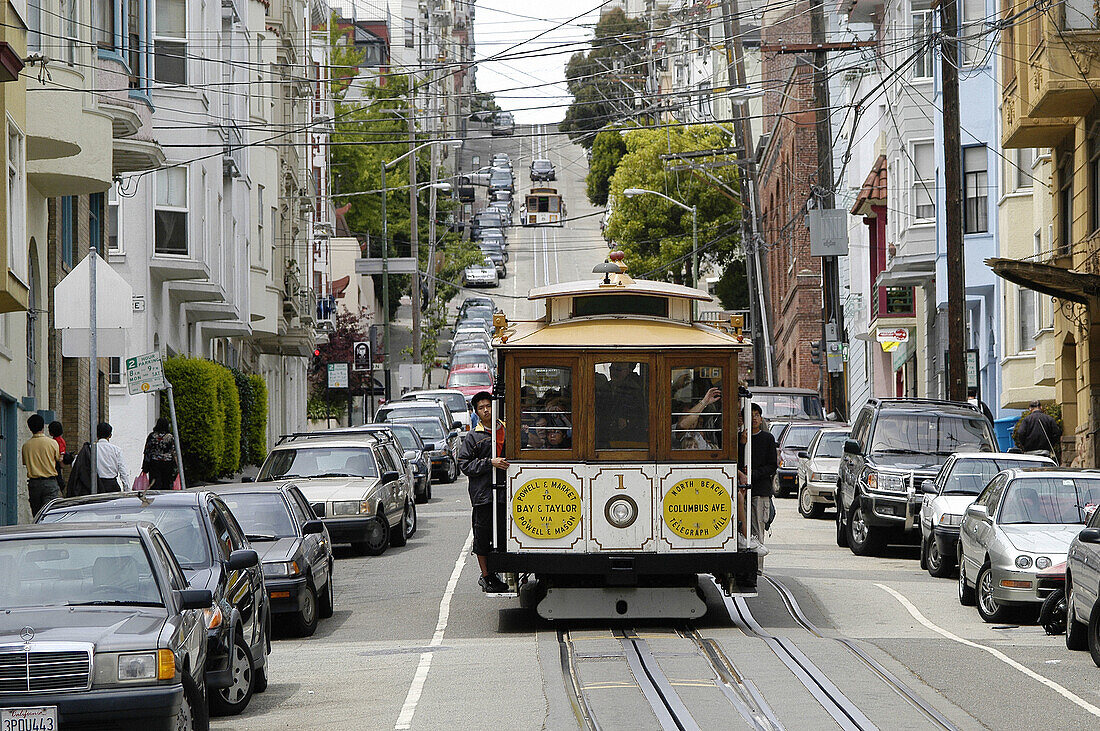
951, 519
438, 453
281, 569
621, 511
885, 482
155, 665
213, 616
822, 477
352, 507
1023, 562
1042, 563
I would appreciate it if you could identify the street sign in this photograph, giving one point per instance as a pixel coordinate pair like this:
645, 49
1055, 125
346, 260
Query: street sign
338, 375
361, 356
972, 368
892, 334
145, 373
394, 265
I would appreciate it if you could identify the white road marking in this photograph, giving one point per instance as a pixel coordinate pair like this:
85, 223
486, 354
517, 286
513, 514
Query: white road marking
404, 721
1059, 689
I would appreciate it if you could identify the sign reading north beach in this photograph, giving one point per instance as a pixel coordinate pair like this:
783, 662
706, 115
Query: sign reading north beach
697, 508
547, 508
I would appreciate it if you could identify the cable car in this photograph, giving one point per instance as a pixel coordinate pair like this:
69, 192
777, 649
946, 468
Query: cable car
543, 207
622, 417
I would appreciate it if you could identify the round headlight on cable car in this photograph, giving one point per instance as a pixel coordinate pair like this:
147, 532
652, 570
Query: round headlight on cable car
1023, 562
621, 511
1042, 563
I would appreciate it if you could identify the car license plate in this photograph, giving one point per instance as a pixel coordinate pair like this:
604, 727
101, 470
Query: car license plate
31, 718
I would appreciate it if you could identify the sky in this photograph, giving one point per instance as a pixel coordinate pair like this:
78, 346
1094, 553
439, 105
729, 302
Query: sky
500, 24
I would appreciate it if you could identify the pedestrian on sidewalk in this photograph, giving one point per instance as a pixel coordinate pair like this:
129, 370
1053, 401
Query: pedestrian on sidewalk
1037, 430
159, 458
41, 456
477, 463
110, 466
56, 430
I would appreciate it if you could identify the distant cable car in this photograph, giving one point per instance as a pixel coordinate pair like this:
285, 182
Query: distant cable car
543, 207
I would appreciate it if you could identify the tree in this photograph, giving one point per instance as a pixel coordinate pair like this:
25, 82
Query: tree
605, 81
350, 328
607, 149
656, 235
732, 288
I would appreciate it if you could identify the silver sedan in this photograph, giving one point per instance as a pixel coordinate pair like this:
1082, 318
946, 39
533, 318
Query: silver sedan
1021, 524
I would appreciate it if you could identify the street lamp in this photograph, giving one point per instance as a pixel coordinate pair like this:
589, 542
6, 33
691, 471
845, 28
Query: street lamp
631, 192
415, 254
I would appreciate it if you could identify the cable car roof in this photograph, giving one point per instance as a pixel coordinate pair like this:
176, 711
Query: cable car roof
619, 285
618, 332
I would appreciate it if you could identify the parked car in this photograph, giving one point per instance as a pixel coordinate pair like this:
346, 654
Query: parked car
776, 428
501, 159
501, 180
357, 484
1021, 523
441, 443
1083, 589
481, 275
792, 440
395, 410
494, 236
542, 169
946, 497
475, 301
497, 255
455, 401
473, 360
416, 456
817, 471
503, 124
100, 628
788, 403
474, 313
215, 555
896, 444
470, 380
294, 546
479, 340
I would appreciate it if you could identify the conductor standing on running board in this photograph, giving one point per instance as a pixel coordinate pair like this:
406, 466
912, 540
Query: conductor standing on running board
477, 463
764, 466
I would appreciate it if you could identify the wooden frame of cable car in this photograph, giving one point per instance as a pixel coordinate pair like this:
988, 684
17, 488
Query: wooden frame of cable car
636, 322
547, 217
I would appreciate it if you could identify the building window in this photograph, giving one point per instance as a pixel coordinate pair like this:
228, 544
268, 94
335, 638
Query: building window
170, 216
70, 35
1065, 204
67, 231
34, 26
704, 100
924, 181
113, 244
1079, 14
17, 209
1027, 314
973, 33
103, 23
922, 35
1094, 179
96, 212
1018, 169
899, 302
410, 33
260, 243
976, 189
170, 43
114, 371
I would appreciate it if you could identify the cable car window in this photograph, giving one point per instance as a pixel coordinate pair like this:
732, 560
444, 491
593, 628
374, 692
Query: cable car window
546, 407
697, 408
619, 304
622, 405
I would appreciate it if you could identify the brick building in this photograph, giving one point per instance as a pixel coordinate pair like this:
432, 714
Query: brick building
787, 173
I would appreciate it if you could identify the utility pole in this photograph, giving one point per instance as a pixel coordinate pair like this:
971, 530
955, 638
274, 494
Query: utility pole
414, 235
758, 309
385, 291
952, 174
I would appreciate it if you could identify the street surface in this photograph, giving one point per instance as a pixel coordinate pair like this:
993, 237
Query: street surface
415, 644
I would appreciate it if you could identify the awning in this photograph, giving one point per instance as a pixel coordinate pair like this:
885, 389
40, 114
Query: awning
912, 270
1048, 279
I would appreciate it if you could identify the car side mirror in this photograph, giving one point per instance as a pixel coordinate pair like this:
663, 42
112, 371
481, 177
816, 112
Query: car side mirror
195, 598
312, 527
410, 455
245, 558
928, 487
851, 446
247, 479
390, 476
1089, 535
803, 454
977, 511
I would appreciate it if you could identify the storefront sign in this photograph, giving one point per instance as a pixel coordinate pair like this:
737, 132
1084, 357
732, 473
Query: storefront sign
697, 508
547, 508
892, 334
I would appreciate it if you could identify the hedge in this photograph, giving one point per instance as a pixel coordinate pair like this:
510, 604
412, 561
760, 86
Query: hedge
200, 417
252, 391
230, 404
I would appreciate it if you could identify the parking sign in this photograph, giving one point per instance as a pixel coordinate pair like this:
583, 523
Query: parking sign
145, 373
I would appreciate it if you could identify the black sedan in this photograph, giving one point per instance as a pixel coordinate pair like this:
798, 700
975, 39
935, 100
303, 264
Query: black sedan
99, 628
215, 555
294, 547
542, 170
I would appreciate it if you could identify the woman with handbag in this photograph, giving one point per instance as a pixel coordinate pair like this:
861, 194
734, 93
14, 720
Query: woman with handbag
159, 459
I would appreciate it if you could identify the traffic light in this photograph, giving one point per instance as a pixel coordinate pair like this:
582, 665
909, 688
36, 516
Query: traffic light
815, 352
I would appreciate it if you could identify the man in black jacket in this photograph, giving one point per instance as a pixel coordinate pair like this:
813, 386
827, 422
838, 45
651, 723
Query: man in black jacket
765, 461
477, 463
1037, 430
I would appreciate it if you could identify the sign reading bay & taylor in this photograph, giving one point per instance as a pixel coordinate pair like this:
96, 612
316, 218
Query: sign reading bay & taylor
697, 508
547, 508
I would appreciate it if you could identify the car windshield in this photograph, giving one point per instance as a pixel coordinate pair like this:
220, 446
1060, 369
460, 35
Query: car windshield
262, 515
799, 436
470, 378
430, 430
929, 433
970, 476
478, 313
831, 444
777, 427
789, 406
181, 525
406, 437
542, 165
306, 462
471, 359
1048, 500
390, 414
77, 570
454, 401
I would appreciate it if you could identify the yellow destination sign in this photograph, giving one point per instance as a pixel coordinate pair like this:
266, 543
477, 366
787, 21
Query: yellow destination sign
697, 508
547, 507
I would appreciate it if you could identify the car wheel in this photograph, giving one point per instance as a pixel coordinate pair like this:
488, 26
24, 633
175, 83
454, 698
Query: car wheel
1076, 633
259, 680
966, 593
399, 534
1094, 635
841, 533
989, 609
1052, 615
452, 471
806, 505
304, 623
862, 538
376, 540
938, 565
327, 602
234, 698
193, 714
